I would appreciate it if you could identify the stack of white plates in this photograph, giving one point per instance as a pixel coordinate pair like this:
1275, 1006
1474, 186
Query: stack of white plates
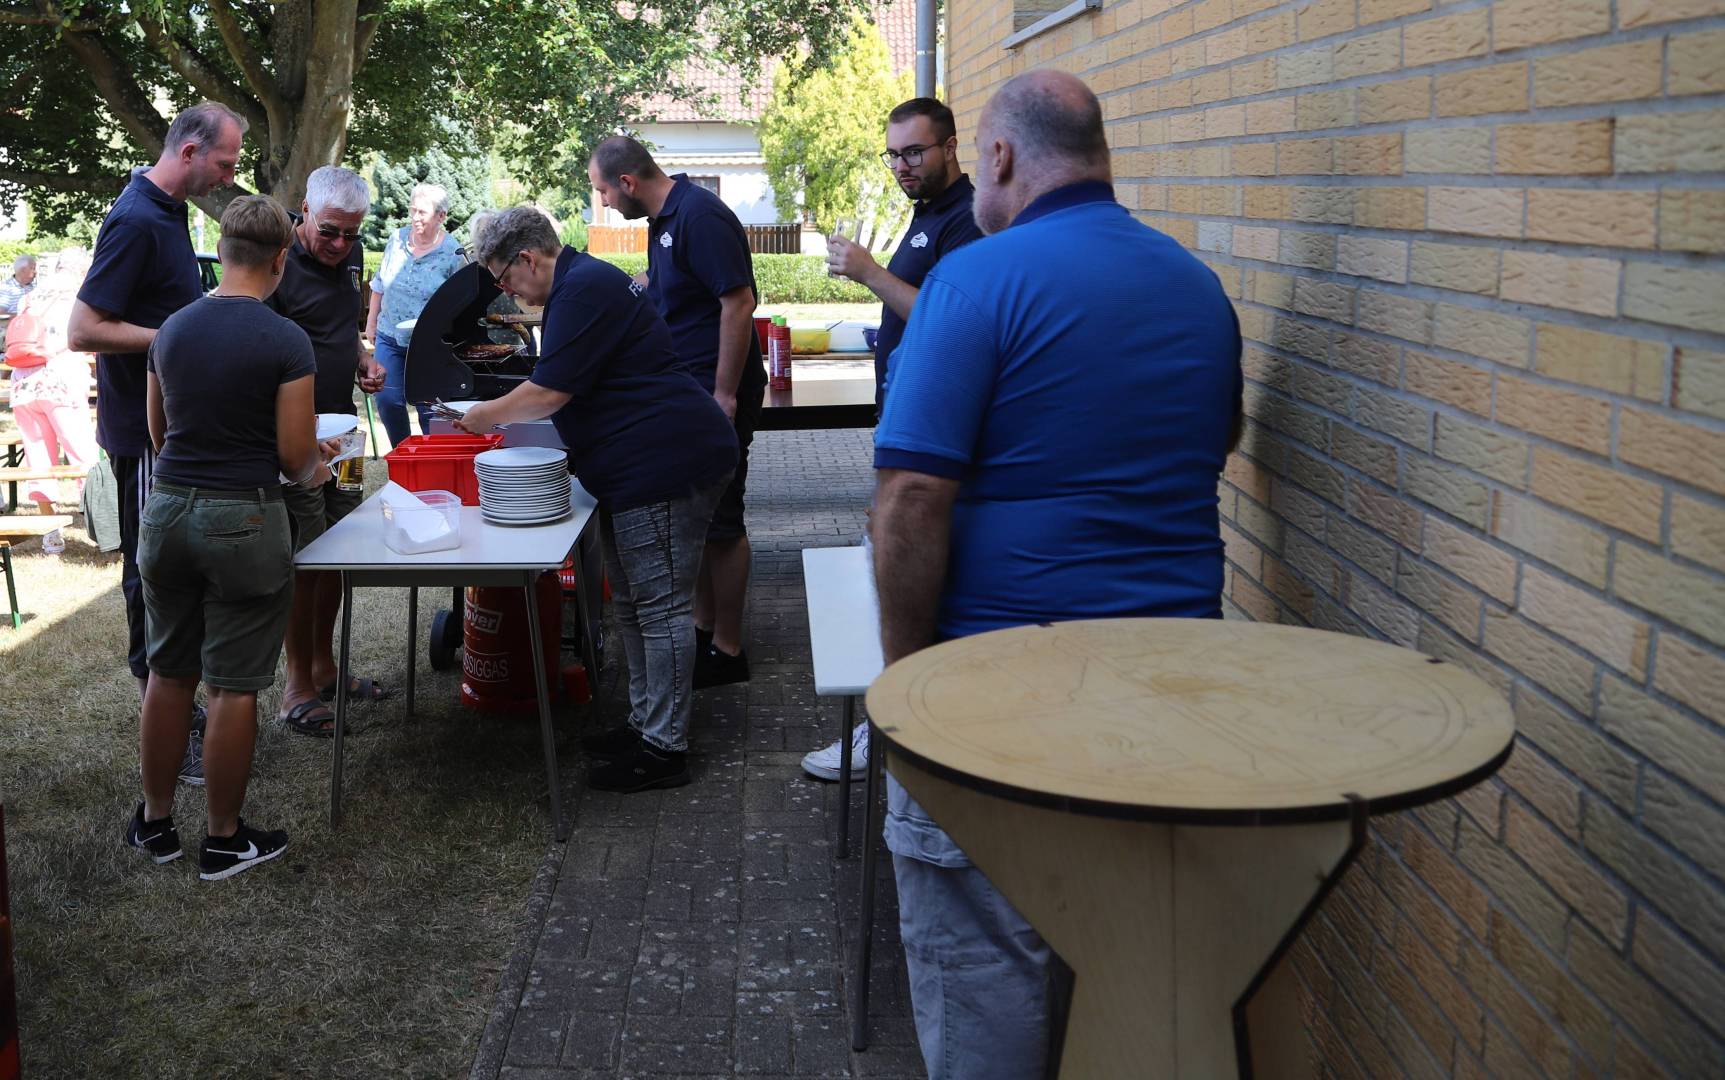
523, 485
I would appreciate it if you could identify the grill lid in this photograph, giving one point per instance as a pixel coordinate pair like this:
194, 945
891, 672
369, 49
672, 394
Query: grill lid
451, 323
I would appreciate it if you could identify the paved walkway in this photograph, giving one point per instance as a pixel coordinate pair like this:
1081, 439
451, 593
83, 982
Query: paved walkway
705, 930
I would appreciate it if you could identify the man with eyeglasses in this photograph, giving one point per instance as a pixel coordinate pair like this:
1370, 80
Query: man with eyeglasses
922, 152
319, 292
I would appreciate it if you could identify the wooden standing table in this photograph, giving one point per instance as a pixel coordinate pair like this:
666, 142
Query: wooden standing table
1168, 800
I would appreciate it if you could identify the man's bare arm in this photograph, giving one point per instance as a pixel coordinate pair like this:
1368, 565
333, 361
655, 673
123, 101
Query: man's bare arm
911, 527
849, 259
736, 327
93, 330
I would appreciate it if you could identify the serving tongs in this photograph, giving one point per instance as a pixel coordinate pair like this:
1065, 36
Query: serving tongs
443, 411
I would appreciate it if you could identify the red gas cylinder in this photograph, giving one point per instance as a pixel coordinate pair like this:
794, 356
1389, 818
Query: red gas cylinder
496, 646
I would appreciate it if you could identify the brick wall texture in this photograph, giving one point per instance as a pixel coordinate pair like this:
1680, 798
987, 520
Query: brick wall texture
1478, 254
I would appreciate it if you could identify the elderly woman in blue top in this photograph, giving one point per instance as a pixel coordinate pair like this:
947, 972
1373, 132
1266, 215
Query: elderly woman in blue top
649, 443
417, 259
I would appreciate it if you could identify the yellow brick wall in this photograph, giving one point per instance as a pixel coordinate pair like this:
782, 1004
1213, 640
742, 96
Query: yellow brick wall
1478, 253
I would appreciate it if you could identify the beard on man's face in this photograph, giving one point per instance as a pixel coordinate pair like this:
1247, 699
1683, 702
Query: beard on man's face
627, 205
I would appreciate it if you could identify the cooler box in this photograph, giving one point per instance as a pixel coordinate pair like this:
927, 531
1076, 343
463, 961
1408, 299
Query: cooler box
440, 462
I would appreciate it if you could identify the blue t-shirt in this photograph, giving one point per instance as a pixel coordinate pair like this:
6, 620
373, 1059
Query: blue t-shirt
697, 252
406, 282
639, 428
938, 226
1079, 373
144, 270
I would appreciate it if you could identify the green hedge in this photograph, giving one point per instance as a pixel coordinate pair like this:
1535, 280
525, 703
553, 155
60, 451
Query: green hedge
784, 279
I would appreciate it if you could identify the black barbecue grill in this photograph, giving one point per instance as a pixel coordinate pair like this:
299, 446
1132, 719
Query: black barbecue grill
441, 357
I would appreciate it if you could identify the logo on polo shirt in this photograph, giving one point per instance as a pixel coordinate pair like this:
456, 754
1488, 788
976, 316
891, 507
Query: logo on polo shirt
664, 239
920, 240
353, 277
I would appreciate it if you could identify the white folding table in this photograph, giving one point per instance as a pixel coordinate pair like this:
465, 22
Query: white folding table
496, 555
844, 637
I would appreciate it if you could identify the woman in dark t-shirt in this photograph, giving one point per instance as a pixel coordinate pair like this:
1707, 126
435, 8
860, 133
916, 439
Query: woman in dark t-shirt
230, 408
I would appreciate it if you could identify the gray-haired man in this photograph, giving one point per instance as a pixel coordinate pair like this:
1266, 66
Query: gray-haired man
320, 293
15, 288
143, 270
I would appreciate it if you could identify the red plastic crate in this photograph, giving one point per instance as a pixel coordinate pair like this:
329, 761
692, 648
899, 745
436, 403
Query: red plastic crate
440, 463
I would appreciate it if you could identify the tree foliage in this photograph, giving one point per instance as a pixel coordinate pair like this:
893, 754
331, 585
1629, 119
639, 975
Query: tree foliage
821, 136
467, 178
331, 81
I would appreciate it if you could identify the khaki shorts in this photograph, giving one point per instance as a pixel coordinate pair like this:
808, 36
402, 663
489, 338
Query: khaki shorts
314, 510
217, 568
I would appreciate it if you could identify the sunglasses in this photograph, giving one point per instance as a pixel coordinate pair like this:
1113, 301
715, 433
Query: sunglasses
330, 232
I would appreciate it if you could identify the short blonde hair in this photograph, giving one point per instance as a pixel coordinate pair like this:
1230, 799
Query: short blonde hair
255, 229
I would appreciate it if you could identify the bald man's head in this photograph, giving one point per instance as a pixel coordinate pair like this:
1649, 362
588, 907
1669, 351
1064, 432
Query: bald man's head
1040, 131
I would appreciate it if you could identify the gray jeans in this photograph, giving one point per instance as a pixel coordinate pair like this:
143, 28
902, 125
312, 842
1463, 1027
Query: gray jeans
980, 976
652, 558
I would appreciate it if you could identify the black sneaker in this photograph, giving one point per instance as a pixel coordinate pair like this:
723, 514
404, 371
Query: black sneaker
715, 667
192, 768
157, 839
612, 742
647, 768
703, 640
225, 856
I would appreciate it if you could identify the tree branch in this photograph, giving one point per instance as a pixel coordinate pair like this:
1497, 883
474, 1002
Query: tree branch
16, 17
128, 102
205, 79
70, 183
250, 63
370, 17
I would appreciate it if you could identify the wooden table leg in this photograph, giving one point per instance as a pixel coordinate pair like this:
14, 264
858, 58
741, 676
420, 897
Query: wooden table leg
1166, 927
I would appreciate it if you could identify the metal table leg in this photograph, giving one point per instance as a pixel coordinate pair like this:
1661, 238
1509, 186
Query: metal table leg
865, 932
412, 636
340, 701
560, 829
848, 717
589, 653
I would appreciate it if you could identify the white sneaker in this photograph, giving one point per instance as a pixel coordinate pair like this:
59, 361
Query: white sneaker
823, 764
53, 543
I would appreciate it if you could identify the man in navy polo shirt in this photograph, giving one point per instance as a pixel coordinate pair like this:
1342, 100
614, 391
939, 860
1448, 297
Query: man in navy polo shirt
922, 152
702, 280
1062, 404
143, 270
649, 443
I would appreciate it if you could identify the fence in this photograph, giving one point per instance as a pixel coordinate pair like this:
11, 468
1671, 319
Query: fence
632, 239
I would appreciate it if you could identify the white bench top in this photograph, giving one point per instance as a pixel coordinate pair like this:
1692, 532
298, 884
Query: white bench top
844, 620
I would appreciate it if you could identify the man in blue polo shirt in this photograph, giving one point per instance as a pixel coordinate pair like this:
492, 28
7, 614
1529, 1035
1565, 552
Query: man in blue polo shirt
702, 280
1061, 408
922, 152
143, 270
649, 443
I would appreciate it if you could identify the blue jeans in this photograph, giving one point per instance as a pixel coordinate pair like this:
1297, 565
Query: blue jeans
391, 401
979, 975
652, 559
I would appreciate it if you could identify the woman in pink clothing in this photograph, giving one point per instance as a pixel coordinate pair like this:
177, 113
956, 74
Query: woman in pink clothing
51, 402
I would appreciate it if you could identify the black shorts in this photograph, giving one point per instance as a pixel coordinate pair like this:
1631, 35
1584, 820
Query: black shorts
728, 515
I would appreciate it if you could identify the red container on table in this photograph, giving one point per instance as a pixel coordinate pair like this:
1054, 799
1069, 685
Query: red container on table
763, 331
441, 463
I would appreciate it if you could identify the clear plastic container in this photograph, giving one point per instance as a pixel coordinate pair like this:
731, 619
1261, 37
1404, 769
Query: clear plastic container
413, 530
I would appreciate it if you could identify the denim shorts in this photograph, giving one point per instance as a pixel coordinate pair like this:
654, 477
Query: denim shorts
218, 583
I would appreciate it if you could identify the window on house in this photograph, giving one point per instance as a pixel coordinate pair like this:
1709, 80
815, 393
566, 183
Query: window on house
711, 183
1033, 17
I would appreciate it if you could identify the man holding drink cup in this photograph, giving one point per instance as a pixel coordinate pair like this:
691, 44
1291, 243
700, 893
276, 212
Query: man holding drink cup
319, 292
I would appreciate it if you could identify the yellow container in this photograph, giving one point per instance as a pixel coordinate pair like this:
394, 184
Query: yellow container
810, 340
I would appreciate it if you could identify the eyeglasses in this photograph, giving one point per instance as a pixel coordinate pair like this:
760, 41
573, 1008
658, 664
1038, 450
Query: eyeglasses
330, 232
910, 155
501, 276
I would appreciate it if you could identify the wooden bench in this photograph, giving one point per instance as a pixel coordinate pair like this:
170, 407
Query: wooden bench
12, 476
20, 527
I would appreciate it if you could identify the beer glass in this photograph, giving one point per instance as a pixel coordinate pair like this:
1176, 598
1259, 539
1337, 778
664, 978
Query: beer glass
350, 463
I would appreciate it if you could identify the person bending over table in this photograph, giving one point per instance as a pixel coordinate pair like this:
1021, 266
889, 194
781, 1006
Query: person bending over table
1038, 461
229, 406
649, 444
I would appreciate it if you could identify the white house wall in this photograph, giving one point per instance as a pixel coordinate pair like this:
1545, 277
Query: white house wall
731, 152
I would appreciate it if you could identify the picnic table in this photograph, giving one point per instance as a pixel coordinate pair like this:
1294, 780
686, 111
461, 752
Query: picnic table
1168, 801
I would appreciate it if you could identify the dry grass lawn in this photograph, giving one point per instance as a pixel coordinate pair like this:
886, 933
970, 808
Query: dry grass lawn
366, 951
